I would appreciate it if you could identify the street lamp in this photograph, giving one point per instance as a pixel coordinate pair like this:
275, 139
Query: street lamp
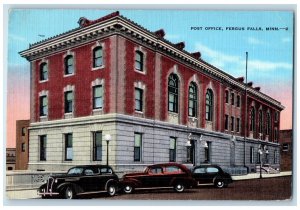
261, 151
107, 138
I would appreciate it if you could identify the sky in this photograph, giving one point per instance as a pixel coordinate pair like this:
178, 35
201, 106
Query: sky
221, 41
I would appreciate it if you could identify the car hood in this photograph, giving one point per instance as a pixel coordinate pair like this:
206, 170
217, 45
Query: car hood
61, 175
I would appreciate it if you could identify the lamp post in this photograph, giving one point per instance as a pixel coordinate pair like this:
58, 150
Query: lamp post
261, 150
107, 138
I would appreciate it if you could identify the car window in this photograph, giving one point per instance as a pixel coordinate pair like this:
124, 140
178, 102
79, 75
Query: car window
173, 169
88, 172
200, 171
75, 171
156, 170
212, 170
106, 170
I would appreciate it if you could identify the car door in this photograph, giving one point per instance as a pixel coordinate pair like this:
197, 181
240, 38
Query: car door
89, 180
153, 177
199, 174
211, 173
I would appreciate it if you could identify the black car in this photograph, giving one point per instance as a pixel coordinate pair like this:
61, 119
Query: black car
81, 180
211, 175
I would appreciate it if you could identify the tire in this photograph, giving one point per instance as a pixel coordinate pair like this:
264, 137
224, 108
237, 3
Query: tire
179, 187
69, 193
220, 183
111, 190
128, 189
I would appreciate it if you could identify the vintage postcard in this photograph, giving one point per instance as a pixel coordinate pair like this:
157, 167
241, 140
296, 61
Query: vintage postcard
149, 105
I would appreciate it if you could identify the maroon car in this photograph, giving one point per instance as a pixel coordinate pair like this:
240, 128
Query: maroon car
159, 176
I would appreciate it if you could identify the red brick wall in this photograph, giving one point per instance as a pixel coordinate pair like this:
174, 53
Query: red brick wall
81, 80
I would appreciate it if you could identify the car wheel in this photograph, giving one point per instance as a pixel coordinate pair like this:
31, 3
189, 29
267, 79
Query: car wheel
220, 184
69, 193
179, 187
128, 189
111, 190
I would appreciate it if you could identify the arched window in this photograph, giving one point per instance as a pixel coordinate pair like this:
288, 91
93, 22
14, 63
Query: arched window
268, 124
69, 65
209, 105
252, 119
173, 93
43, 71
97, 57
193, 100
260, 121
139, 57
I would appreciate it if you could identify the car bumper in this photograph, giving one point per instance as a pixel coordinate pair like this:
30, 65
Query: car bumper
42, 192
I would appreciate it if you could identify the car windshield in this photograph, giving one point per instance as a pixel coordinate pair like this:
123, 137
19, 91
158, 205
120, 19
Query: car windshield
75, 171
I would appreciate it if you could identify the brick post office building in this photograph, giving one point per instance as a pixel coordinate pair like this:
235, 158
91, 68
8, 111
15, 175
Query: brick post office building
112, 79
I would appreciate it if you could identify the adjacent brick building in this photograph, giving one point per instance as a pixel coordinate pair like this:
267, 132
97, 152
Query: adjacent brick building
22, 144
158, 102
10, 159
286, 142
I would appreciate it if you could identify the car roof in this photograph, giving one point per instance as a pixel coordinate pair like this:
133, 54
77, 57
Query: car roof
91, 166
168, 164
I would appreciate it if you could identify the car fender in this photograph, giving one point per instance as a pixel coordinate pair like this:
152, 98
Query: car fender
110, 181
76, 187
134, 182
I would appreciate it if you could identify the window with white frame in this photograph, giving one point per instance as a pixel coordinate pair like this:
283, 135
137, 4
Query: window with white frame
138, 99
172, 150
97, 97
43, 71
69, 65
97, 57
139, 60
173, 93
193, 101
43, 105
209, 105
68, 146
69, 97
137, 147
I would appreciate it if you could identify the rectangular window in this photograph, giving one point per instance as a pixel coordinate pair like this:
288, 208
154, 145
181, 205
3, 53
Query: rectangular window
43, 106
258, 158
43, 141
172, 151
251, 154
68, 146
226, 97
138, 99
232, 98
137, 146
69, 101
238, 101
97, 97
237, 125
207, 152
226, 122
23, 147
285, 147
23, 131
97, 146
232, 123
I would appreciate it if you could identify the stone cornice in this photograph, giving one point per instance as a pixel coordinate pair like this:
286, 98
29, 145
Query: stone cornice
120, 24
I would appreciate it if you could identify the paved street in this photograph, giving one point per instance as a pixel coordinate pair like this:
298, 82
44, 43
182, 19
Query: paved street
278, 188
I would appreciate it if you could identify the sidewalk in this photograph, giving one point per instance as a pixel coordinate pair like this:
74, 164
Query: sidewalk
256, 175
32, 193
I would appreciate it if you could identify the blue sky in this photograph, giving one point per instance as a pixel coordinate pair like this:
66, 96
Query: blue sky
270, 52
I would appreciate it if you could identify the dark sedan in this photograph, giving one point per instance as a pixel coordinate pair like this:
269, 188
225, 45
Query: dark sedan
159, 176
211, 175
81, 180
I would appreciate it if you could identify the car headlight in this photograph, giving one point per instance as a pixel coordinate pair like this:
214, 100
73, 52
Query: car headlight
55, 181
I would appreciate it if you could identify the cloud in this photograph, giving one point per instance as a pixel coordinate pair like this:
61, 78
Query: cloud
252, 40
232, 63
17, 38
